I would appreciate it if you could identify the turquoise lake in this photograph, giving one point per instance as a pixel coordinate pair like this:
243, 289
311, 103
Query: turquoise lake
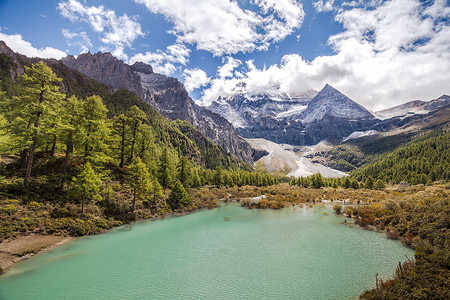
292, 253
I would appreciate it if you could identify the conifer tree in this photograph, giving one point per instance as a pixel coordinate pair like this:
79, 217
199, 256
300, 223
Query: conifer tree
164, 175
88, 184
379, 184
94, 128
184, 171
178, 197
70, 128
369, 182
33, 116
120, 124
135, 119
157, 190
139, 180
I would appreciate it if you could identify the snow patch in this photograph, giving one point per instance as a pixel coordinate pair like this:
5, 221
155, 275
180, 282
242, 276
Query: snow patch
359, 134
283, 158
294, 110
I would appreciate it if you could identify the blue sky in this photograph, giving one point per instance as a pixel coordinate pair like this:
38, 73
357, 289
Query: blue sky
380, 53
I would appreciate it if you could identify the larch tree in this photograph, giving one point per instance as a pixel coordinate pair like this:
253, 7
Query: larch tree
34, 114
184, 171
120, 129
136, 116
178, 197
70, 128
140, 181
94, 129
88, 184
164, 173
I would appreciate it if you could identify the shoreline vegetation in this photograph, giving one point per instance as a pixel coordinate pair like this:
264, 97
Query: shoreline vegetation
79, 160
417, 216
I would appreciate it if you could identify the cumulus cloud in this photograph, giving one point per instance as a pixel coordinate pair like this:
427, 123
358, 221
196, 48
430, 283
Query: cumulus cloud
117, 32
164, 62
195, 78
223, 27
322, 5
80, 40
17, 44
386, 55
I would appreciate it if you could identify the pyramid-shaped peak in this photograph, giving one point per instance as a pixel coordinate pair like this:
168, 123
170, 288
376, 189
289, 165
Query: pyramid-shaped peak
331, 102
329, 89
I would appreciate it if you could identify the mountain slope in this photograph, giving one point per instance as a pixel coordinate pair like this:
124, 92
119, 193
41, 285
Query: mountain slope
332, 103
301, 120
413, 107
166, 94
167, 133
426, 158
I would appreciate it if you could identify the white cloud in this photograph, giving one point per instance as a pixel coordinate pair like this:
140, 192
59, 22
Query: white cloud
17, 44
322, 5
387, 55
438, 9
195, 78
223, 27
117, 32
227, 70
80, 40
164, 62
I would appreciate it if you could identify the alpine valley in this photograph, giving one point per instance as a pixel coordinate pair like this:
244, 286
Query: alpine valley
89, 143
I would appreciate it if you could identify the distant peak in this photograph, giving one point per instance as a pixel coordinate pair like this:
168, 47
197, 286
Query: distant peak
328, 87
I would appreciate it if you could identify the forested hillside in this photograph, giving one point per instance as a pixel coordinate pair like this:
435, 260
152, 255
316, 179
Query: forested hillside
424, 160
77, 157
165, 132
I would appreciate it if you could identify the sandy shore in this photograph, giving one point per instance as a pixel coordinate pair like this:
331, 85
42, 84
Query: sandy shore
23, 247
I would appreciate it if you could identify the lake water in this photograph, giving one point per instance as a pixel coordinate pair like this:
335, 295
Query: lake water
258, 254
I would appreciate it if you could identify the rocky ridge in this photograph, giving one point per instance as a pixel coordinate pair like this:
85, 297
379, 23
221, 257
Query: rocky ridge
166, 94
301, 120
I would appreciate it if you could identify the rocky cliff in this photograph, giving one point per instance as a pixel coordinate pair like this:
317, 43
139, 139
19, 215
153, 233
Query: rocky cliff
300, 120
166, 94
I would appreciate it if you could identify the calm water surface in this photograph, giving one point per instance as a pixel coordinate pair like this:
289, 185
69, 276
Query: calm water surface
257, 254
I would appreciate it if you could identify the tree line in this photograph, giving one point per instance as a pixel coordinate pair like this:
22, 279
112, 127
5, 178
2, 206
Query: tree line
40, 118
423, 161
317, 181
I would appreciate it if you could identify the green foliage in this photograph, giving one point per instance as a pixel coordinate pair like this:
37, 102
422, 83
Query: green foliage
184, 172
317, 181
423, 160
94, 129
140, 181
34, 115
379, 185
421, 222
178, 198
87, 184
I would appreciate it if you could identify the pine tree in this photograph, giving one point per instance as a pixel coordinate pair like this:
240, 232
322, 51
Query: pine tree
157, 190
88, 184
178, 197
140, 181
184, 171
33, 116
94, 129
379, 184
135, 119
164, 174
120, 124
70, 129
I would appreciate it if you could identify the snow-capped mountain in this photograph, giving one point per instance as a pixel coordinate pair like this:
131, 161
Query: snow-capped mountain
245, 109
332, 103
297, 120
413, 108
